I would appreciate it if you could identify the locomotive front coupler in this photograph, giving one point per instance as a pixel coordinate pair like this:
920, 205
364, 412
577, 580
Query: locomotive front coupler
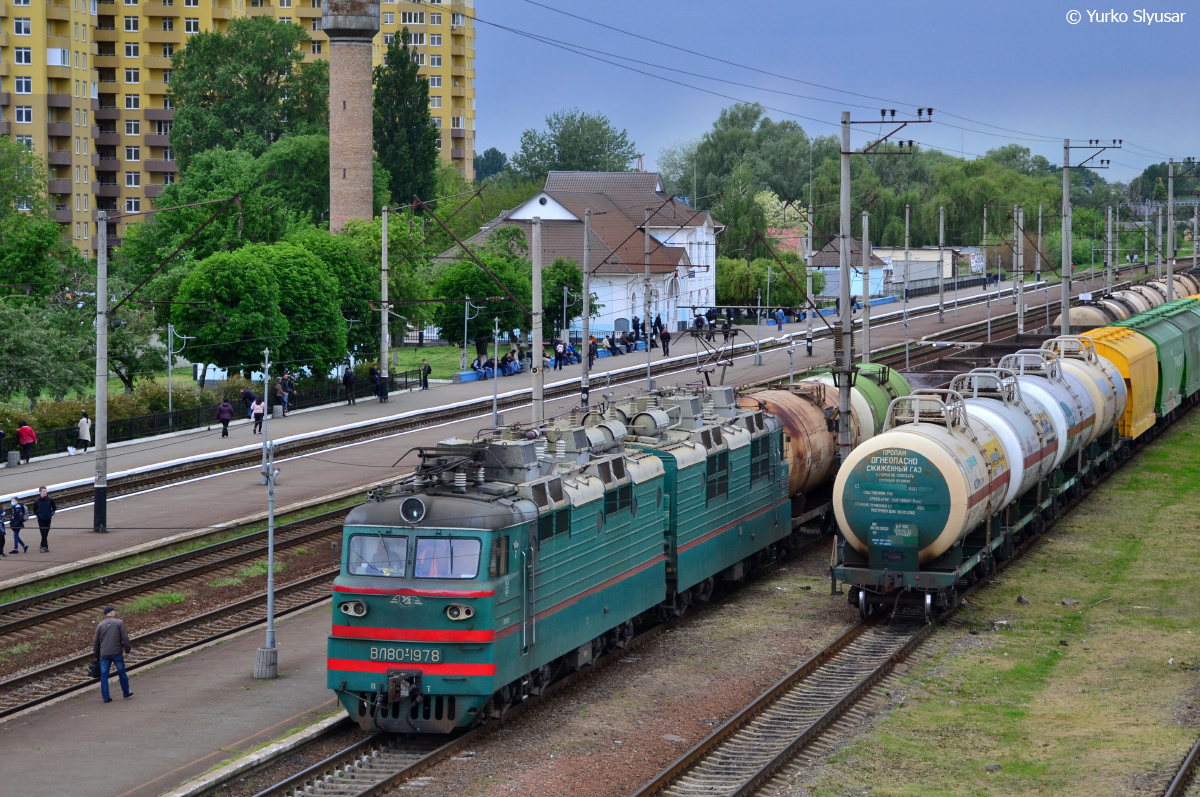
403, 684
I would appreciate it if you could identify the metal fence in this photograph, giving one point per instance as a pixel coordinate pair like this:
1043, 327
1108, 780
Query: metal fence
930, 286
56, 441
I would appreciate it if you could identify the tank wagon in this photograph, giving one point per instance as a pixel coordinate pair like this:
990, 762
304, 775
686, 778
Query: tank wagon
959, 476
1126, 303
505, 560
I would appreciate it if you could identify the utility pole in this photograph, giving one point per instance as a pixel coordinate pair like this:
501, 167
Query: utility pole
462, 361
1171, 230
384, 382
846, 366
266, 661
171, 352
100, 488
768, 287
1108, 249
1158, 250
539, 376
646, 298
908, 267
1195, 230
866, 318
1066, 238
1019, 232
808, 256
587, 306
757, 325
1146, 242
496, 371
983, 247
266, 364
1037, 260
941, 265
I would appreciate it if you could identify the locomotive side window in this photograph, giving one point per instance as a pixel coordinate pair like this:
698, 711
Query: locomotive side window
498, 563
718, 475
439, 557
374, 555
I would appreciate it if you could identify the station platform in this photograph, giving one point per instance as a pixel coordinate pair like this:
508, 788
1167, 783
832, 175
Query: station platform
186, 716
156, 513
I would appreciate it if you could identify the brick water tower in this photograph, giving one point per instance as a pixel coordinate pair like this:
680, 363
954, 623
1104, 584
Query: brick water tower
351, 26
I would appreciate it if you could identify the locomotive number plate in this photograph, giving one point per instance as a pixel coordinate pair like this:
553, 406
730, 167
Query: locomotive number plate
406, 654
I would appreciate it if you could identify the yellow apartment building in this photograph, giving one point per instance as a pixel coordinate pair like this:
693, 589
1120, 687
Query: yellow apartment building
84, 84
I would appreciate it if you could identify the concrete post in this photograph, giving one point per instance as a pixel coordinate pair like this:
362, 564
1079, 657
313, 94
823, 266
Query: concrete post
351, 25
100, 487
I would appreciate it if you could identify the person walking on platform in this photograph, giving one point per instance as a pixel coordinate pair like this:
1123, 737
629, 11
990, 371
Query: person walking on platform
16, 521
248, 399
26, 438
224, 415
110, 645
779, 319
85, 433
256, 412
593, 351
666, 342
44, 507
348, 384
426, 370
560, 355
3, 536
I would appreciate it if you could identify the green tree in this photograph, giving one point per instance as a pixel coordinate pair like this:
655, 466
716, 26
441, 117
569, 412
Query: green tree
410, 275
405, 139
358, 283
246, 87
489, 164
564, 273
295, 170
574, 141
31, 243
741, 214
230, 303
506, 255
310, 298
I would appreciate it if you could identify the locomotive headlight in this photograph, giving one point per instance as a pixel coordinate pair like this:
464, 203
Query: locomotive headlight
457, 611
355, 608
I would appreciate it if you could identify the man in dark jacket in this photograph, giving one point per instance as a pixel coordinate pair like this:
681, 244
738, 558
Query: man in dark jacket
110, 646
44, 507
348, 384
248, 398
426, 370
224, 415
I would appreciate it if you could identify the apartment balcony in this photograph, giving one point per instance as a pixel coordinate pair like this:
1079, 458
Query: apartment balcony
4, 128
160, 10
58, 100
59, 157
105, 62
158, 114
458, 153
156, 61
162, 167
107, 113
62, 215
156, 140
161, 36
154, 87
458, 71
3, 38
107, 165
106, 35
5, 98
59, 42
58, 129
224, 12
107, 139
458, 91
3, 9
306, 12
113, 243
59, 187
458, 132
4, 68
58, 72
106, 189
154, 191
265, 10
58, 11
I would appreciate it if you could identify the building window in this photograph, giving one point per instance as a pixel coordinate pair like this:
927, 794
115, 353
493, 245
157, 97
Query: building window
316, 24
416, 39
419, 58
133, 154
168, 50
191, 25
168, 23
133, 127
389, 18
168, 103
21, 3
316, 48
132, 102
131, 24
133, 204
133, 50
85, 146
434, 60
168, 179
167, 154
191, 3
133, 76
285, 3
166, 76
22, 27
435, 102
77, 173
438, 143
77, 117
412, 18
163, 127
435, 19
133, 179
131, 2
26, 140
436, 121
388, 38
456, 122
435, 40
85, 174
457, 20
25, 117
23, 55
24, 85
435, 81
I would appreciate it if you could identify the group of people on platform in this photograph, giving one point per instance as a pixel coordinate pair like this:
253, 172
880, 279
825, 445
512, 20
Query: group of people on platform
510, 363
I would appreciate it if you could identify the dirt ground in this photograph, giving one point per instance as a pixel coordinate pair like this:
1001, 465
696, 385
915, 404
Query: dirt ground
615, 730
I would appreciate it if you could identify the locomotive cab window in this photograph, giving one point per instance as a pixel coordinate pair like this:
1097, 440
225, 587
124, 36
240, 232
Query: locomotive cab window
444, 557
553, 523
760, 458
374, 555
498, 563
718, 475
618, 499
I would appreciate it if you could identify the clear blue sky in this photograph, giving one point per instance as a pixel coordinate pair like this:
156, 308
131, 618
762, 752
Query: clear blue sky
1018, 65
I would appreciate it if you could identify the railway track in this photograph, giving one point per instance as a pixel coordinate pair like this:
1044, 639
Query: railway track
64, 677
1185, 783
154, 576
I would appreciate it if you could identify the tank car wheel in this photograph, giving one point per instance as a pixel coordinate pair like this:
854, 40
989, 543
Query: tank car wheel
864, 605
928, 607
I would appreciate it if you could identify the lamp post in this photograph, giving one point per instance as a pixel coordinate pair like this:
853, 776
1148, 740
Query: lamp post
266, 661
467, 308
171, 352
